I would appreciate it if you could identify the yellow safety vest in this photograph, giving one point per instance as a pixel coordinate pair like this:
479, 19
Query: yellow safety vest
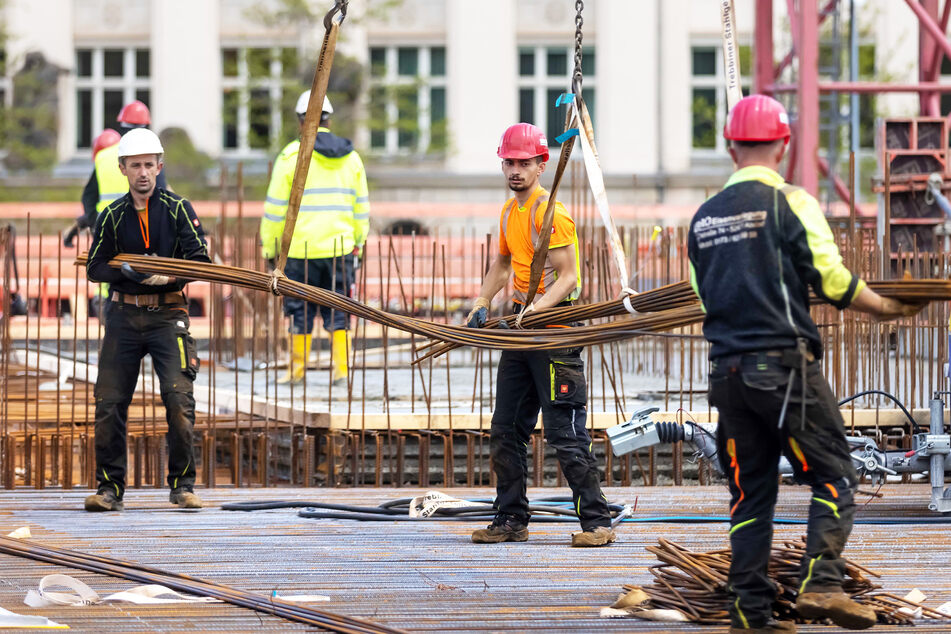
112, 184
334, 214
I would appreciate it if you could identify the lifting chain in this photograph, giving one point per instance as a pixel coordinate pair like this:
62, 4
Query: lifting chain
576, 77
339, 6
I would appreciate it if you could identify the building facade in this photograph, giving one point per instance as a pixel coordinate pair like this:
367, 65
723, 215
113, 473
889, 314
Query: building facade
441, 80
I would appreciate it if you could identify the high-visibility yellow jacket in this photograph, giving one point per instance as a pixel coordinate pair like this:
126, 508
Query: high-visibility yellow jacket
334, 214
112, 184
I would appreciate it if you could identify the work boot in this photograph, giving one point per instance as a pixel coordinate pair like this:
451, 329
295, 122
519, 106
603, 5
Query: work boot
772, 627
184, 498
597, 536
105, 499
836, 606
504, 528
340, 355
300, 355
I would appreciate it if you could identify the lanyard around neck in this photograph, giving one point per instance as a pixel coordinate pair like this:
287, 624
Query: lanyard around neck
144, 225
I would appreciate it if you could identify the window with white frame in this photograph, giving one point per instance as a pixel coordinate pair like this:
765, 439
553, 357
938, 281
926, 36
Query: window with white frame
407, 110
260, 89
107, 78
544, 73
708, 95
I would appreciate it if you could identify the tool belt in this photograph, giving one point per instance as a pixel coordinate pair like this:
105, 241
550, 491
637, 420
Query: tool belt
155, 299
788, 357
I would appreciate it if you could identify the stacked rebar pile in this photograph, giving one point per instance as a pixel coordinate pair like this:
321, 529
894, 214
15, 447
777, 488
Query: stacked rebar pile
695, 584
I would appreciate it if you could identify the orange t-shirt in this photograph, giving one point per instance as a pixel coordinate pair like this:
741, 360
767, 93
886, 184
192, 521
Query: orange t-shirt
517, 238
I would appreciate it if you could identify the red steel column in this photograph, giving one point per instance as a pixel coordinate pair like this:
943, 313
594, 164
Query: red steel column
930, 102
763, 73
807, 174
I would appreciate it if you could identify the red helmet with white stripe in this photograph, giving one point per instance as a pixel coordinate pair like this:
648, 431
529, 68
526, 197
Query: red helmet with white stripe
523, 141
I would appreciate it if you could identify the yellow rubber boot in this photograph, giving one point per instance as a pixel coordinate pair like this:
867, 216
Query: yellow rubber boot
300, 354
340, 350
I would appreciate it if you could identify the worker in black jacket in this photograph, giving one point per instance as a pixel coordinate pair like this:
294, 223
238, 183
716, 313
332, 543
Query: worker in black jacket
147, 314
106, 184
755, 250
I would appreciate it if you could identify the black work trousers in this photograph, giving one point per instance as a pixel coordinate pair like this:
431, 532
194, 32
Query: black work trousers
553, 382
332, 274
749, 390
132, 332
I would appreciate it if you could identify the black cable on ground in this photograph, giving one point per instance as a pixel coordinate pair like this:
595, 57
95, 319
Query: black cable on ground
398, 510
914, 424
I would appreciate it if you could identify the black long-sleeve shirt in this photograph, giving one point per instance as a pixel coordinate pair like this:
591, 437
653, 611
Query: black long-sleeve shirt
173, 232
90, 198
755, 250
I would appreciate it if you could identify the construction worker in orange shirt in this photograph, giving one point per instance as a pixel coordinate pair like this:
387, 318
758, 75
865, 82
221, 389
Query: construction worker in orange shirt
529, 381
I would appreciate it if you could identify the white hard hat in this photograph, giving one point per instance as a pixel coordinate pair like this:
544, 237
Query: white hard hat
140, 141
301, 108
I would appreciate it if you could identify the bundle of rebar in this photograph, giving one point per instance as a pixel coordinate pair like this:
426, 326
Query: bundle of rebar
184, 583
695, 584
666, 308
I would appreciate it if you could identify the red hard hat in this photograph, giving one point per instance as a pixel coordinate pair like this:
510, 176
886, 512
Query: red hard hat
134, 113
523, 141
106, 138
757, 118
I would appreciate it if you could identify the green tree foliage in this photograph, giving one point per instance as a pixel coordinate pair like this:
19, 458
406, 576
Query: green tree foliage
30, 125
185, 165
348, 74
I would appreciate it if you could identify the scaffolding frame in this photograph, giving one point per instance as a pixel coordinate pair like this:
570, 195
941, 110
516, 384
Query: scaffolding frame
805, 18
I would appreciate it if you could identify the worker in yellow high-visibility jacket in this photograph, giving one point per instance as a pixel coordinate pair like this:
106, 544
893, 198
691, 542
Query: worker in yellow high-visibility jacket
331, 228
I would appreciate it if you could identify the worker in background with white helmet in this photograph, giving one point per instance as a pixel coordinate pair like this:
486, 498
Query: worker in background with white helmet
147, 314
332, 226
755, 250
531, 380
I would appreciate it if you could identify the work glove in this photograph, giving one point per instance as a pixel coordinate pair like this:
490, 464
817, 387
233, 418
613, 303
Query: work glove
145, 278
479, 313
70, 236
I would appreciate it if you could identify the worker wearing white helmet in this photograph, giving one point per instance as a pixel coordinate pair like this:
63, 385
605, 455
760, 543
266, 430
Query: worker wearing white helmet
146, 314
304, 99
106, 183
331, 228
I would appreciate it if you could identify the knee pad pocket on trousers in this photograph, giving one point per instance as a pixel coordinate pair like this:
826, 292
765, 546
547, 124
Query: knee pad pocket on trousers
178, 395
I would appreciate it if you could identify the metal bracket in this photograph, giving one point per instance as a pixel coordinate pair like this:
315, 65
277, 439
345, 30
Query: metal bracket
932, 444
637, 433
